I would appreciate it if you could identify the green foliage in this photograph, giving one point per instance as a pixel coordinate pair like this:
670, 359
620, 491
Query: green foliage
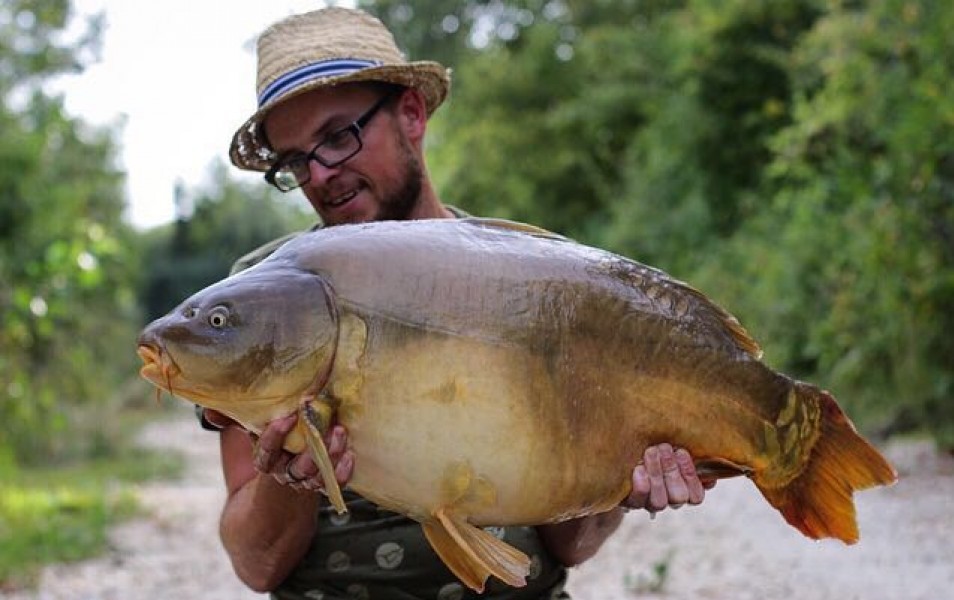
230, 219
862, 187
67, 297
28, 50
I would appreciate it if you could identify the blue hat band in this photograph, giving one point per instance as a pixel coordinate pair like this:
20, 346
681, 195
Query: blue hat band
306, 73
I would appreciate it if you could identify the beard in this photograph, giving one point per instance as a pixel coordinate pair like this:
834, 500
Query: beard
399, 204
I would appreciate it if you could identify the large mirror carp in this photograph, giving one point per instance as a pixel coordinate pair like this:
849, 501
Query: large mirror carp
490, 373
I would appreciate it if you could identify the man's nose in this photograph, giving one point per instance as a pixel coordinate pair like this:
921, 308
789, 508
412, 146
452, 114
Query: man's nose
320, 174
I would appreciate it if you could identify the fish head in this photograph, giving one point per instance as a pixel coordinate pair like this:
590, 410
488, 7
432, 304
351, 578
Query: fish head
249, 346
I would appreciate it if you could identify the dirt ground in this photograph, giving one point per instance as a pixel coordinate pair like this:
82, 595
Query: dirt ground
733, 547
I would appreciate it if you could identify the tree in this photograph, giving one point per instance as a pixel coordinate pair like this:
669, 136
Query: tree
858, 241
230, 219
66, 301
791, 158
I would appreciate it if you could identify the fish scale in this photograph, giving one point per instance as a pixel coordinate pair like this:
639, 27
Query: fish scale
490, 373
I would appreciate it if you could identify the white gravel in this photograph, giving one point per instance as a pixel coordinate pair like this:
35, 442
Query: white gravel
734, 547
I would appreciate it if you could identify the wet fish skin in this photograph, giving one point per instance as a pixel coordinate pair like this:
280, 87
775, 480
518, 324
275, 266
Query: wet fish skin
494, 374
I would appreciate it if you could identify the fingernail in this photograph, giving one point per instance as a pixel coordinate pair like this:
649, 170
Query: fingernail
639, 473
344, 467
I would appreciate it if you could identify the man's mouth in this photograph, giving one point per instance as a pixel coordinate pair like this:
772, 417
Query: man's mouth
340, 199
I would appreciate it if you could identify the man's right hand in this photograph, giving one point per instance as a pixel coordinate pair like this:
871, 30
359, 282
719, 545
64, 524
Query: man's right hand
299, 470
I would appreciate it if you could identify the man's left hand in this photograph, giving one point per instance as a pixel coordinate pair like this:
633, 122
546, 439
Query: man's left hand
665, 478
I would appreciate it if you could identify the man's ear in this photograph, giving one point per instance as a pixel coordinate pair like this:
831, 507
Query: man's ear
412, 114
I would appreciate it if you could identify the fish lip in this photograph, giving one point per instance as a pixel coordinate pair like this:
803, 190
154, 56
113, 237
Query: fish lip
158, 366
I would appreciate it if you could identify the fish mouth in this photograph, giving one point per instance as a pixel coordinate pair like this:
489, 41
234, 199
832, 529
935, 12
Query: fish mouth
158, 367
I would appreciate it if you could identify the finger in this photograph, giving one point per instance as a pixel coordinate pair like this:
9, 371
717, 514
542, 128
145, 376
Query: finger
695, 489
345, 468
338, 442
314, 483
677, 492
268, 450
658, 498
303, 465
640, 493
280, 470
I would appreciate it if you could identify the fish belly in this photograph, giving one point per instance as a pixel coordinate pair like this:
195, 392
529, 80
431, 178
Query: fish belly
445, 421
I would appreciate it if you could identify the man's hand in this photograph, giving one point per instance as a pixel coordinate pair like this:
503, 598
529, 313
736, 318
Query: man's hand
299, 470
665, 478
296, 470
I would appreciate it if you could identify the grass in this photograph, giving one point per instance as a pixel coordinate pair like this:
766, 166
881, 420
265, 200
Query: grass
62, 514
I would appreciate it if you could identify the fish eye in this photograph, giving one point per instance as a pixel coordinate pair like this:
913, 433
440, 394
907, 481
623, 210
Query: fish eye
219, 317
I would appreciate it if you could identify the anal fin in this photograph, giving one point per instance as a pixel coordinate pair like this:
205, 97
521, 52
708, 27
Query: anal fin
720, 468
472, 554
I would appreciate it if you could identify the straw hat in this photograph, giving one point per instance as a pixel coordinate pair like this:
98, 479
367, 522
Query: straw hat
325, 48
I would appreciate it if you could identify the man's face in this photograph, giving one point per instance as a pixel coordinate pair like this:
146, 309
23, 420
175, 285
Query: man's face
381, 182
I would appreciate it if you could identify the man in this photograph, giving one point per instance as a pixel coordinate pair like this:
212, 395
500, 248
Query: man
342, 116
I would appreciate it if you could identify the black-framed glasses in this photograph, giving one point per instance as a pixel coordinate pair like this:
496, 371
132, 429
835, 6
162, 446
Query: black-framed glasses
292, 171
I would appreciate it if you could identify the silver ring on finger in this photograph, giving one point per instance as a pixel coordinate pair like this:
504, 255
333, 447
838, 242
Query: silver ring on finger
290, 477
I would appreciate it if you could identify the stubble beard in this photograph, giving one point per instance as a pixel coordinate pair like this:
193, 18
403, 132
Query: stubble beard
399, 205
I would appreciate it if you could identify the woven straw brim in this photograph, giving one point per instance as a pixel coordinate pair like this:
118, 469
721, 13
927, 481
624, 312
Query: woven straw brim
249, 150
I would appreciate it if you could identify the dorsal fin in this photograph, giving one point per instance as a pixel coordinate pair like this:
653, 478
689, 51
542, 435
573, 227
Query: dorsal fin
745, 341
513, 226
739, 334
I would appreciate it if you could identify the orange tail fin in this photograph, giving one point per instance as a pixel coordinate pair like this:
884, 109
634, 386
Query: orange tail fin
818, 502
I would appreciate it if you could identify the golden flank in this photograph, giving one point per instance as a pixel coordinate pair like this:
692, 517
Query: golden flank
490, 373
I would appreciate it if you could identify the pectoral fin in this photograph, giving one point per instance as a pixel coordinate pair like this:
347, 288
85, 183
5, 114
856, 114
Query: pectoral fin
472, 554
311, 416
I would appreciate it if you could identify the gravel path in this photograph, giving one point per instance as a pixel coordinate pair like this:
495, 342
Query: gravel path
173, 554
735, 547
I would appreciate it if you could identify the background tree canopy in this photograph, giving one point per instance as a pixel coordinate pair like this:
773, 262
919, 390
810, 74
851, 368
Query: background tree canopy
67, 260
794, 159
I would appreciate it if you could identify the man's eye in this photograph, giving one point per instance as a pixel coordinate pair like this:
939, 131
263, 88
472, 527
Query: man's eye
293, 163
338, 139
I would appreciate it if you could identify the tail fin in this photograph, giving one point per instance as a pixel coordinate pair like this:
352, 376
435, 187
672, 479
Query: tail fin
818, 502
